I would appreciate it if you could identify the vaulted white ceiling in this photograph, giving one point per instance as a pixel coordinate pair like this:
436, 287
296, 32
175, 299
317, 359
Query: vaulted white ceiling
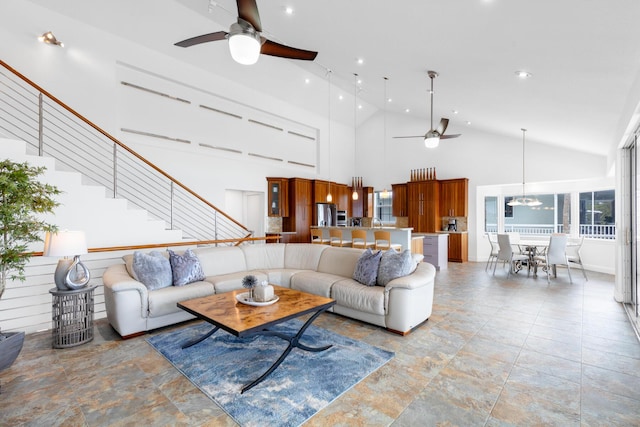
584, 57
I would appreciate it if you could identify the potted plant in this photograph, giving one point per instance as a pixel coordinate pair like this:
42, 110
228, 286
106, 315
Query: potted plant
23, 200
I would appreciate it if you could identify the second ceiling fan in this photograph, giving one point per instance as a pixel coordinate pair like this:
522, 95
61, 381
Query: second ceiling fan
245, 40
433, 136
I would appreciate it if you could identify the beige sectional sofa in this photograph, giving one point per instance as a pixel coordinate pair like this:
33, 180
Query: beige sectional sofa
401, 305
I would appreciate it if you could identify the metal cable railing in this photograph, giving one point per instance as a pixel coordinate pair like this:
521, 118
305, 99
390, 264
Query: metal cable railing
51, 128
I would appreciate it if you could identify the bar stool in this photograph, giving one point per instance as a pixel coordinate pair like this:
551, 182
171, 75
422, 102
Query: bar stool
359, 239
316, 237
335, 237
383, 241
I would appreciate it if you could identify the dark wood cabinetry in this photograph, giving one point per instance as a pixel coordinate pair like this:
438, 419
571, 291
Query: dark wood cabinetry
453, 197
458, 247
300, 210
399, 207
278, 199
342, 197
423, 206
363, 207
320, 191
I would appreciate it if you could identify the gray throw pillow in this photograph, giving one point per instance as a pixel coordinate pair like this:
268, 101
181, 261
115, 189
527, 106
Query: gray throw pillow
186, 268
152, 269
393, 265
366, 271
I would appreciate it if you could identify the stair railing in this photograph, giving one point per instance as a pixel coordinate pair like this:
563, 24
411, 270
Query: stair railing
52, 128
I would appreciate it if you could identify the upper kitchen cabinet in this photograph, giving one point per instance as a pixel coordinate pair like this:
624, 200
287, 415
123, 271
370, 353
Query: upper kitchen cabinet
363, 207
320, 191
300, 210
399, 193
278, 189
454, 194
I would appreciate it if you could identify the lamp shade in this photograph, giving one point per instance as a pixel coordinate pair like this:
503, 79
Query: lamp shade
65, 243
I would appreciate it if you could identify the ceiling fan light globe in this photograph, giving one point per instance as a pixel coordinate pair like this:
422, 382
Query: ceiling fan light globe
244, 48
431, 141
514, 202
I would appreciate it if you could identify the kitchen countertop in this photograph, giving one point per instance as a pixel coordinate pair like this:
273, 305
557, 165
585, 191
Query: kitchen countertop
367, 228
452, 232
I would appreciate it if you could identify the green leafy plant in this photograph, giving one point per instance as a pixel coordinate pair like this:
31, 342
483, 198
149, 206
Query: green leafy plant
23, 200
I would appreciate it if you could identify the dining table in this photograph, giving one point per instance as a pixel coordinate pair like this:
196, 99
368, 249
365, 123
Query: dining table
534, 247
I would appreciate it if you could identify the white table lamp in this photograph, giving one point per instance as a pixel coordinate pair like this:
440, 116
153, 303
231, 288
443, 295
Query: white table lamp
70, 273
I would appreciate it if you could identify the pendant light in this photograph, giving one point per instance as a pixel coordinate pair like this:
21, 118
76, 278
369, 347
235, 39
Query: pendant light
385, 193
524, 200
354, 180
329, 196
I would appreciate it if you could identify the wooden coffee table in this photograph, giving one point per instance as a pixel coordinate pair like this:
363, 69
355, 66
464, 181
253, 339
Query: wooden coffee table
225, 312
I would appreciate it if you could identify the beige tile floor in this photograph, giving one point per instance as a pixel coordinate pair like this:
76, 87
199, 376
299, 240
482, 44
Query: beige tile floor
496, 352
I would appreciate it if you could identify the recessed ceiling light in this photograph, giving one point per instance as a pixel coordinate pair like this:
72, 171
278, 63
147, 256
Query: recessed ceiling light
288, 10
454, 111
340, 97
359, 81
360, 107
307, 80
406, 110
523, 74
468, 123
360, 61
389, 100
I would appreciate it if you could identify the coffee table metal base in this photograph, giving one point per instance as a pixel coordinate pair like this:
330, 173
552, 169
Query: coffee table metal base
294, 342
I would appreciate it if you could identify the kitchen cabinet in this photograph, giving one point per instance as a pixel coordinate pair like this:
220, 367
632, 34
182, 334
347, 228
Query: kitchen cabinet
300, 210
399, 207
423, 206
458, 247
435, 250
454, 194
320, 191
342, 197
278, 199
363, 207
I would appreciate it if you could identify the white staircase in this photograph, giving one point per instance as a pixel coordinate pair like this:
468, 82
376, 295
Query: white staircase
107, 222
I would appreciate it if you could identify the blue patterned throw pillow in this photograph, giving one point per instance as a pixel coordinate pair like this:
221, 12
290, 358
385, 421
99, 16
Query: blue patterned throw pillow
366, 271
393, 265
152, 269
186, 268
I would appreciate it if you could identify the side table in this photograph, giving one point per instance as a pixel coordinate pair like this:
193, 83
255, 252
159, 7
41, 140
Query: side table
72, 316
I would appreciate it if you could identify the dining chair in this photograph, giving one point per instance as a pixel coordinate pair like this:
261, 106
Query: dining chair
316, 237
573, 253
493, 255
507, 254
382, 240
554, 255
335, 237
359, 239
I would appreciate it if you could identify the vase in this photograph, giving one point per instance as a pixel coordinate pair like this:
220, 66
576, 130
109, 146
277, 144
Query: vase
10, 348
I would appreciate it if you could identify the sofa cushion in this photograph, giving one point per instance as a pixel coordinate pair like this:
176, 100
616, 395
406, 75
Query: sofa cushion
163, 301
233, 281
315, 283
349, 293
366, 271
282, 277
339, 261
303, 256
263, 257
185, 268
221, 260
394, 265
152, 269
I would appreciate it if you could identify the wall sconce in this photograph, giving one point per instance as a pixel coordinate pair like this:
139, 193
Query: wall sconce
49, 38
70, 274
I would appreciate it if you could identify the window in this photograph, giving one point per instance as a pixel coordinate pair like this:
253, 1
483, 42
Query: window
597, 214
491, 214
382, 207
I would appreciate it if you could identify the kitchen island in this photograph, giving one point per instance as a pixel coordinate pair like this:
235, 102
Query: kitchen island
401, 236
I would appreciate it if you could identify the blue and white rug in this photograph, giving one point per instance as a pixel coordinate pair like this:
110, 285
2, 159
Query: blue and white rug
301, 386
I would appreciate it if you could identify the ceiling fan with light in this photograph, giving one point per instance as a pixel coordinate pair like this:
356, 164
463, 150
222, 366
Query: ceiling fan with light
245, 40
433, 136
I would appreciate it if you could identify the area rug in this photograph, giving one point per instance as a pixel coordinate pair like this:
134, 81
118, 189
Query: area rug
301, 386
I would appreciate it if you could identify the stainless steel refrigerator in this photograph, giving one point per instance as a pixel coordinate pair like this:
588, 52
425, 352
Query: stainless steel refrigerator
326, 214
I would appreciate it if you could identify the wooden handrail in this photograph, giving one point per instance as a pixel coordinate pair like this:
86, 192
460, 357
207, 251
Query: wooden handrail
173, 244
115, 141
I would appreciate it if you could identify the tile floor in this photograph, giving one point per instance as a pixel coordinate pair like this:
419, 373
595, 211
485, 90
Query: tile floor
496, 352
